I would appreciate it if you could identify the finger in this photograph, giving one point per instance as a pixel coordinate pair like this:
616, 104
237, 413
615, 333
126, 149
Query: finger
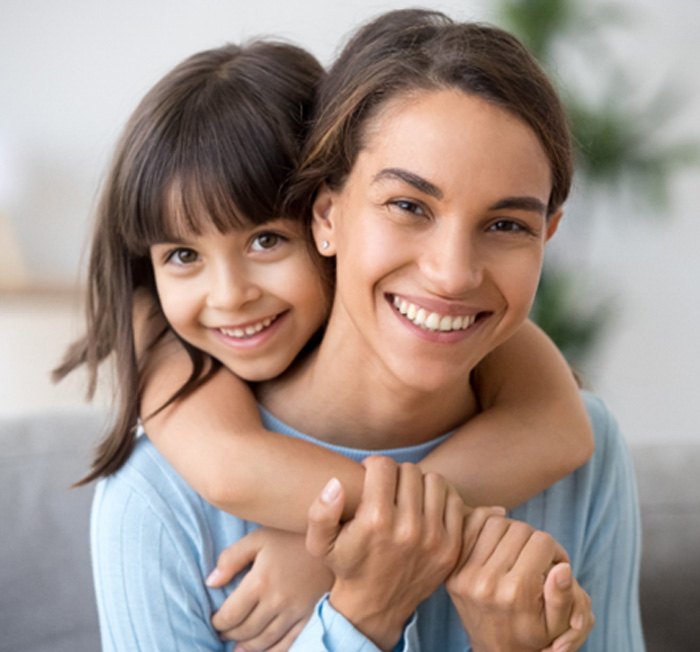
454, 515
558, 599
581, 623
379, 490
254, 625
237, 607
268, 636
409, 502
508, 550
572, 639
435, 498
233, 560
474, 522
286, 641
324, 519
539, 554
492, 532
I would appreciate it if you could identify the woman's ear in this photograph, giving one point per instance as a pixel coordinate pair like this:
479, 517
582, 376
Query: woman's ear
553, 223
323, 224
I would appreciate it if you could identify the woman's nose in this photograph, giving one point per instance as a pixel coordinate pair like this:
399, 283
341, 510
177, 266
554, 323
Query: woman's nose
451, 264
231, 287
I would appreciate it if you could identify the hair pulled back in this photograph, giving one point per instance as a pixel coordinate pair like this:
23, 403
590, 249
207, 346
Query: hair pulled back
408, 51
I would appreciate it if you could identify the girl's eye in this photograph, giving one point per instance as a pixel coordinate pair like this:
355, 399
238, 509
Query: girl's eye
266, 241
183, 256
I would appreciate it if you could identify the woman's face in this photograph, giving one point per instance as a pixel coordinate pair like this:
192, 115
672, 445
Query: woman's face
439, 234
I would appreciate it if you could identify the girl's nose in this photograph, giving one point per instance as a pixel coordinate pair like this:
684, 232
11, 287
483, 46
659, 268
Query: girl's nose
231, 287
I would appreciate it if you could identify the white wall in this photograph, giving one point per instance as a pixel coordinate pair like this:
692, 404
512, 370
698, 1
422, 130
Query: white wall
71, 72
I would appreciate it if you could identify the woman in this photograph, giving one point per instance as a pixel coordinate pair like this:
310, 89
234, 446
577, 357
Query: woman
438, 166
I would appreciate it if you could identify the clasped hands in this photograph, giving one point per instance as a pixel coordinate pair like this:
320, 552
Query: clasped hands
511, 585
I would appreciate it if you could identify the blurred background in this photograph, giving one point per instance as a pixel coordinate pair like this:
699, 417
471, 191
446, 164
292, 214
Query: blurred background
621, 292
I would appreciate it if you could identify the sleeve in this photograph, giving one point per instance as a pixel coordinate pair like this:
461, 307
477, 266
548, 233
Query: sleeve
150, 594
329, 631
611, 546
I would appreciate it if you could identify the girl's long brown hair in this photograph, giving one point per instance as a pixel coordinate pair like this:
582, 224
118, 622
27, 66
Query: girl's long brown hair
222, 132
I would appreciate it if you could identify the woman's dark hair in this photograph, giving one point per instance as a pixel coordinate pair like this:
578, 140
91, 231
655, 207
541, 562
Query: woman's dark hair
214, 142
408, 51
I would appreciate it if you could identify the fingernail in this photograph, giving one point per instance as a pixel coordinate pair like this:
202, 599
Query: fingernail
331, 491
564, 578
215, 578
564, 647
499, 510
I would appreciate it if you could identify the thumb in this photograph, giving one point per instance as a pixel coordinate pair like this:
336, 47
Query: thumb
324, 519
233, 560
558, 598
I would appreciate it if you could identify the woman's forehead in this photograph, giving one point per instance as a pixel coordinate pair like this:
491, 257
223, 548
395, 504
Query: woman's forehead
450, 138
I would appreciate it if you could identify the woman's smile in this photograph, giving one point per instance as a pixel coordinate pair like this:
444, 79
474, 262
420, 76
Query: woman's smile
439, 234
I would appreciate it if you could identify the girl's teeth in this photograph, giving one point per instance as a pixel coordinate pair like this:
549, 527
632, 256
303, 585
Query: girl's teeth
432, 321
248, 331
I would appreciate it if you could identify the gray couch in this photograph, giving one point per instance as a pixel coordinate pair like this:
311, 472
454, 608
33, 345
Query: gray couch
47, 600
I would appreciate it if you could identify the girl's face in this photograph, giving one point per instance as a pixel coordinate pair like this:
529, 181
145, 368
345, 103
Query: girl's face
439, 234
251, 298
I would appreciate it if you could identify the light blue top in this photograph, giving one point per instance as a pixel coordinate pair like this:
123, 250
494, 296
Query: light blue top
154, 541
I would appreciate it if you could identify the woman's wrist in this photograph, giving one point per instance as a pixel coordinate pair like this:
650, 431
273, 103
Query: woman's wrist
381, 623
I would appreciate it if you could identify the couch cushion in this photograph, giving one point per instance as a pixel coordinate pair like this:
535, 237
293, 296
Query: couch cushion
669, 495
47, 600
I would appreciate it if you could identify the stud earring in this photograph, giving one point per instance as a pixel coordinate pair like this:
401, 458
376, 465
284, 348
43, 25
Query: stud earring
325, 244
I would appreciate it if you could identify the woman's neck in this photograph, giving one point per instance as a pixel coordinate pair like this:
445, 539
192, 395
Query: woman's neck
339, 395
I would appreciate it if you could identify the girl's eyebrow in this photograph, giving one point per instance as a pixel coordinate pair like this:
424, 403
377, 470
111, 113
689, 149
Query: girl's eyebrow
411, 178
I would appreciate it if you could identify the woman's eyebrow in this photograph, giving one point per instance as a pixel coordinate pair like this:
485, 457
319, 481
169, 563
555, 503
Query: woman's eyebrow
531, 204
412, 179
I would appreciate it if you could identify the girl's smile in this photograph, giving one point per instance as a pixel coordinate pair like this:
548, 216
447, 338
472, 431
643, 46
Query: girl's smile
251, 297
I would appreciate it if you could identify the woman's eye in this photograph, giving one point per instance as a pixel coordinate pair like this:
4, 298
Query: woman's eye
266, 241
183, 256
408, 206
508, 226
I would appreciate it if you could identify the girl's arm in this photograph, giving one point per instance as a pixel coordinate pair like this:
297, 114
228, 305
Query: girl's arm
215, 440
532, 431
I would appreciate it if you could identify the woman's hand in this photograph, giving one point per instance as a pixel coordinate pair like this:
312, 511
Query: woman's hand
558, 596
403, 541
513, 588
277, 595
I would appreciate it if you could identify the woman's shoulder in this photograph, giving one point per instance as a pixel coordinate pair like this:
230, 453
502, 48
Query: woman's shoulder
609, 440
146, 482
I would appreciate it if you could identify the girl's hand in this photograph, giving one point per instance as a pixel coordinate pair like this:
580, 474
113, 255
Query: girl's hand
513, 588
277, 595
403, 541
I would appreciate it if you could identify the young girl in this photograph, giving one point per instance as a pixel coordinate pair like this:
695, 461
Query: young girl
190, 218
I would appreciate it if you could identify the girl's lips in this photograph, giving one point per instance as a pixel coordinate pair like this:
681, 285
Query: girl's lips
249, 329
252, 334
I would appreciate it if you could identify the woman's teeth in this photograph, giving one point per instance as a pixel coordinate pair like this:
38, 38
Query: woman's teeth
248, 331
432, 321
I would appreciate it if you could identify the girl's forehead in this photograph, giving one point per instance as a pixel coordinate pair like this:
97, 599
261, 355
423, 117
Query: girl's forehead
189, 209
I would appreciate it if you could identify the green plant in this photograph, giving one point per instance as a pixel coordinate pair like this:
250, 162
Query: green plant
622, 150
